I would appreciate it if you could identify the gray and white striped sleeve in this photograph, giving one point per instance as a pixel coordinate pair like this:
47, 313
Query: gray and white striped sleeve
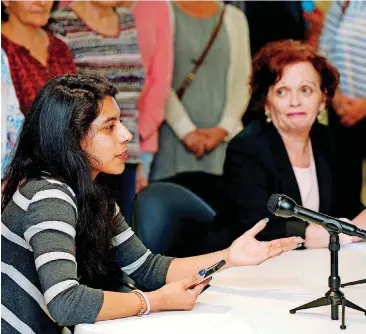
50, 231
331, 24
147, 269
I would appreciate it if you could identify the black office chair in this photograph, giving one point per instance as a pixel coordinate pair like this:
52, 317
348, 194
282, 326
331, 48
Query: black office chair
167, 218
207, 186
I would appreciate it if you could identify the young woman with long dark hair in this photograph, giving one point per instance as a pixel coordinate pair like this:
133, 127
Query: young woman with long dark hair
60, 229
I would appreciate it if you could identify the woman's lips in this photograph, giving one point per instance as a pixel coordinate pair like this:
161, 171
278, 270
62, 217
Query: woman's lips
123, 156
297, 113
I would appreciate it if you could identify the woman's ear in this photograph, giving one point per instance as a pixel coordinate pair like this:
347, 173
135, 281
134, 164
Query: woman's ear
83, 144
267, 113
266, 109
323, 103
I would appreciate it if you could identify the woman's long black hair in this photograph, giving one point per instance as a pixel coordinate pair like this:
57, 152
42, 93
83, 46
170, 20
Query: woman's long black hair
59, 118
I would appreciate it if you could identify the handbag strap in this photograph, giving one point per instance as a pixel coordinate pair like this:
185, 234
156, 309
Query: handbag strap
189, 78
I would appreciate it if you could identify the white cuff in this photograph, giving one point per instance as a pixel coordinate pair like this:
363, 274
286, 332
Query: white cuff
232, 125
183, 127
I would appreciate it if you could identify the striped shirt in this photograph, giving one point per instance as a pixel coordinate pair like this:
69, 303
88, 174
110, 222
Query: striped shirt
40, 288
116, 58
343, 41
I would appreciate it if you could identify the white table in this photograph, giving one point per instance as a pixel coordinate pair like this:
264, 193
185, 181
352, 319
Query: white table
258, 299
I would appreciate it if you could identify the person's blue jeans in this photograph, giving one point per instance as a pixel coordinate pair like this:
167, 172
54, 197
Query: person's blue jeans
147, 159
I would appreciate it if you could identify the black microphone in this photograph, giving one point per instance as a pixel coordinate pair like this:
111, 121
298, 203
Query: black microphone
283, 206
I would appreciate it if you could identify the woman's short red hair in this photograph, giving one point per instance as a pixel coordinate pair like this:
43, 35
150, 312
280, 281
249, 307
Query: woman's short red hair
269, 62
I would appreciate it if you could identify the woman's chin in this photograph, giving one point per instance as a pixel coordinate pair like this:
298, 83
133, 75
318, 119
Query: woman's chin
297, 128
302, 125
115, 171
120, 170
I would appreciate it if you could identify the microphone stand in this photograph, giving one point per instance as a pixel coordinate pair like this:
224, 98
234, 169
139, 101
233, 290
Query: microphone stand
334, 297
361, 281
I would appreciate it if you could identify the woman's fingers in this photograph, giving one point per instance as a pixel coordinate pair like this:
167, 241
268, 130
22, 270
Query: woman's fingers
190, 283
285, 244
257, 228
199, 287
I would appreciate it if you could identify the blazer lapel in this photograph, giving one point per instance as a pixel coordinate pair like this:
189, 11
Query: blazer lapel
285, 174
323, 168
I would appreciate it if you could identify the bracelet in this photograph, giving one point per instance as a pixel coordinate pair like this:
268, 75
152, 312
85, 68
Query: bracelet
144, 302
147, 303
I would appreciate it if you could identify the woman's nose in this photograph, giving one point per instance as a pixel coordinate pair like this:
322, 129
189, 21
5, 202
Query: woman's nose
294, 99
124, 134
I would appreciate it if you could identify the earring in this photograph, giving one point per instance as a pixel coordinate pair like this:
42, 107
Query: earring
320, 115
268, 117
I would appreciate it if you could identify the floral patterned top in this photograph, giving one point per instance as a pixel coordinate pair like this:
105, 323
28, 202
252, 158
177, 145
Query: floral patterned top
11, 116
28, 74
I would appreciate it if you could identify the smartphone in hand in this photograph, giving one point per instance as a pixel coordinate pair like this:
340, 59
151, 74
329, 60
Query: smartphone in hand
209, 272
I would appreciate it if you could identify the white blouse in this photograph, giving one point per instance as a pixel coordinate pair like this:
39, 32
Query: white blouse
308, 184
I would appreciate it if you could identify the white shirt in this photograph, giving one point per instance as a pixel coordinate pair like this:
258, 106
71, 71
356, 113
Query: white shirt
308, 184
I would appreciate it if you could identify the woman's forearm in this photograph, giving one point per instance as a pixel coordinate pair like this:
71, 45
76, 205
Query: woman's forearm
122, 305
182, 268
360, 220
316, 237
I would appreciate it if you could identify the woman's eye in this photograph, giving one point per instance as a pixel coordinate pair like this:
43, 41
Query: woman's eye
306, 90
281, 92
110, 127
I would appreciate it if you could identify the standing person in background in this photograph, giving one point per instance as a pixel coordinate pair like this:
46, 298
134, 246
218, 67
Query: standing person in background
343, 41
11, 116
200, 122
155, 38
271, 21
314, 18
35, 55
103, 40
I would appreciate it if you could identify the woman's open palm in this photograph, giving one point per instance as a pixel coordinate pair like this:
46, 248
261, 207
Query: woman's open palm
247, 251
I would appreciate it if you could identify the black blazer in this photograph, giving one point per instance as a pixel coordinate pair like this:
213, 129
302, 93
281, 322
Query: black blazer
257, 165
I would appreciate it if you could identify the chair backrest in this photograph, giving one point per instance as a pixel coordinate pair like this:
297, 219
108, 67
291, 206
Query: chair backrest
207, 186
163, 210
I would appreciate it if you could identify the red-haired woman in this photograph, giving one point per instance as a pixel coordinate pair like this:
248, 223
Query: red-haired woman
288, 152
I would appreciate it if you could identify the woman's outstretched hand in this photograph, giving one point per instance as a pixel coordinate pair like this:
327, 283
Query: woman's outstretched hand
248, 251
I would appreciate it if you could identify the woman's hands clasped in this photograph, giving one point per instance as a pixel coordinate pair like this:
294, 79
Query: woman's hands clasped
202, 141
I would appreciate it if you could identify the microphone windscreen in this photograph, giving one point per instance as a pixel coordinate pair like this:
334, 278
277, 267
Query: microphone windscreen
272, 203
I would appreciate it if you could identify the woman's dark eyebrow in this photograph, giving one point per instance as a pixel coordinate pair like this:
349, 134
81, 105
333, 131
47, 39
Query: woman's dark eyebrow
110, 119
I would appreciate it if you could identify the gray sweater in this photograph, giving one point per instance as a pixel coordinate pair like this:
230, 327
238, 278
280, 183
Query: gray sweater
40, 288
